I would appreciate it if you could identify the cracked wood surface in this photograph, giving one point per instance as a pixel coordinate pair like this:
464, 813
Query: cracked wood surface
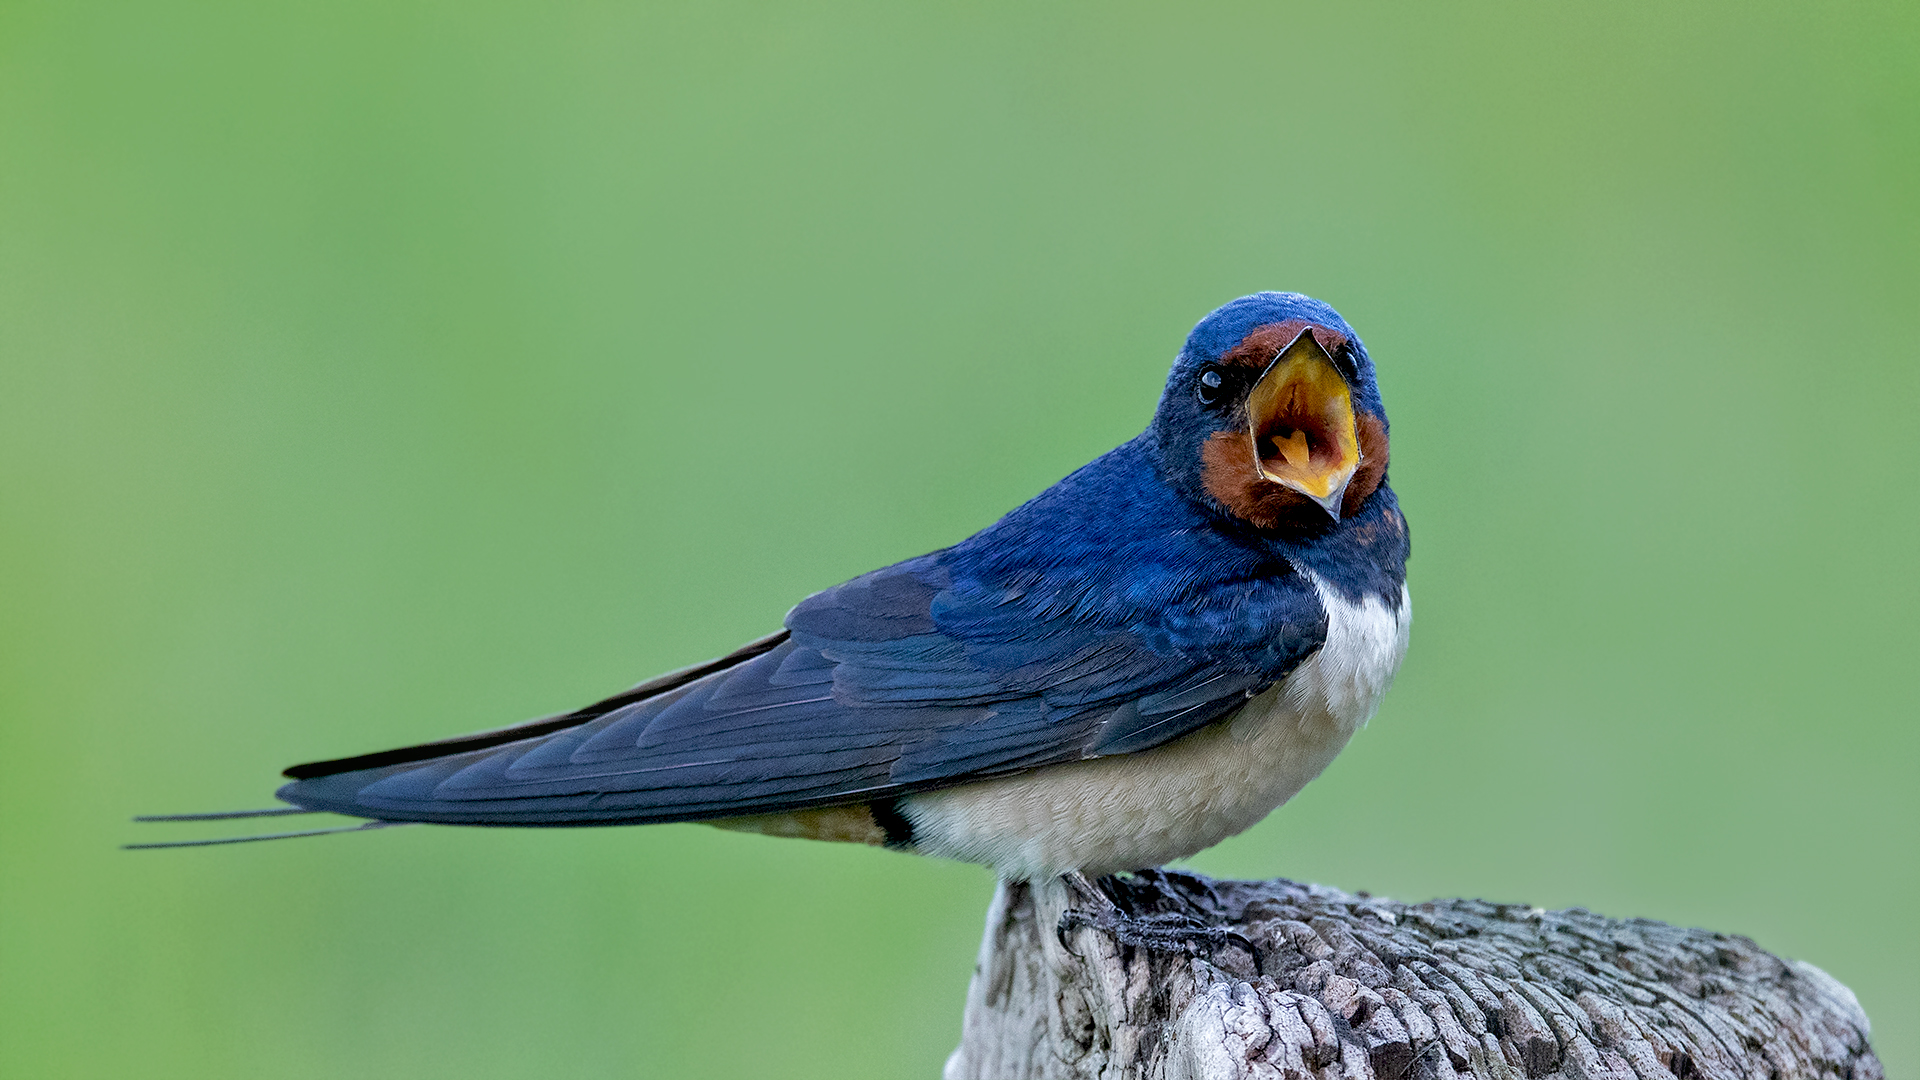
1186, 978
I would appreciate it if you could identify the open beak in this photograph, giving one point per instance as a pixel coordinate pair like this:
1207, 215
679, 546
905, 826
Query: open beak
1300, 417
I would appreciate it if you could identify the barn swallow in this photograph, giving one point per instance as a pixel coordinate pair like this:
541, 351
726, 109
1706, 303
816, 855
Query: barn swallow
1146, 658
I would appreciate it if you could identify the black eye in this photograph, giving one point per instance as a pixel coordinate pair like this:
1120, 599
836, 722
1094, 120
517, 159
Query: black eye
1208, 386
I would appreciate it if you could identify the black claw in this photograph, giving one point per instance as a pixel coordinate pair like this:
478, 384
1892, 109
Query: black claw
1163, 932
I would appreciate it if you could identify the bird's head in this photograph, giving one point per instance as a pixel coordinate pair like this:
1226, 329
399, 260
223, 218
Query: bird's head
1271, 414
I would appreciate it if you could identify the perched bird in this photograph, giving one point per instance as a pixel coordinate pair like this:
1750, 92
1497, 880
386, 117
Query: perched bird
1143, 660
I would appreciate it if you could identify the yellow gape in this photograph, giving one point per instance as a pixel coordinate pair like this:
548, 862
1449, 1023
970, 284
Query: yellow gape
1300, 417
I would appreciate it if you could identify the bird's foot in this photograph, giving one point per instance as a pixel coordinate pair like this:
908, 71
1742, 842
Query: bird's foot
1162, 931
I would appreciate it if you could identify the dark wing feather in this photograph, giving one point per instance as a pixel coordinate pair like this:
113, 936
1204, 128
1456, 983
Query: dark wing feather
529, 728
891, 683
764, 733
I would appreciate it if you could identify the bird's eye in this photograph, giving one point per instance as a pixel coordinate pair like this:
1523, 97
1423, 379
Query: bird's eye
1209, 385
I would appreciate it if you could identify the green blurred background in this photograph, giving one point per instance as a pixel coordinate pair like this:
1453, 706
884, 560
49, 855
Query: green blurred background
372, 372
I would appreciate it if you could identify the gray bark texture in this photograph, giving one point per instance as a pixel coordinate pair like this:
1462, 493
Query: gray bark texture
1170, 976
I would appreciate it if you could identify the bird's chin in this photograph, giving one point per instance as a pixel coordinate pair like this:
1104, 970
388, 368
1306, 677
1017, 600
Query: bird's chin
1232, 477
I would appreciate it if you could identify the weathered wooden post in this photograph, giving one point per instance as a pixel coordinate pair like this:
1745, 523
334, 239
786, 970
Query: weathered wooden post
1173, 976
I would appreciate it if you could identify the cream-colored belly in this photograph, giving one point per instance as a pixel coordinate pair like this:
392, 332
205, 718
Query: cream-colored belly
1137, 810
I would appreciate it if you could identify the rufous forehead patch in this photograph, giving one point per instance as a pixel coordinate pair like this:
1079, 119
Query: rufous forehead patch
1263, 343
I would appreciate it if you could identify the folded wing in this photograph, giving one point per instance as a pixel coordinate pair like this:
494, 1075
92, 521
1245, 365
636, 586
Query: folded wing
891, 683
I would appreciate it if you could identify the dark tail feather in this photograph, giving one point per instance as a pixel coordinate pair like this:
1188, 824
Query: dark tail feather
265, 836
226, 815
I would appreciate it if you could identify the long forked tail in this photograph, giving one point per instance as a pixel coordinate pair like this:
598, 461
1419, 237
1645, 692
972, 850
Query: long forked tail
229, 815
353, 773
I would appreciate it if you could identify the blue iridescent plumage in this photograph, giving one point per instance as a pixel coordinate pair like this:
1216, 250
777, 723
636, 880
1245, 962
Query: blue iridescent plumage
1128, 605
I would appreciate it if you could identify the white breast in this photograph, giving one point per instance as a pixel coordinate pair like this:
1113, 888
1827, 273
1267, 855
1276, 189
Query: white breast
1137, 810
